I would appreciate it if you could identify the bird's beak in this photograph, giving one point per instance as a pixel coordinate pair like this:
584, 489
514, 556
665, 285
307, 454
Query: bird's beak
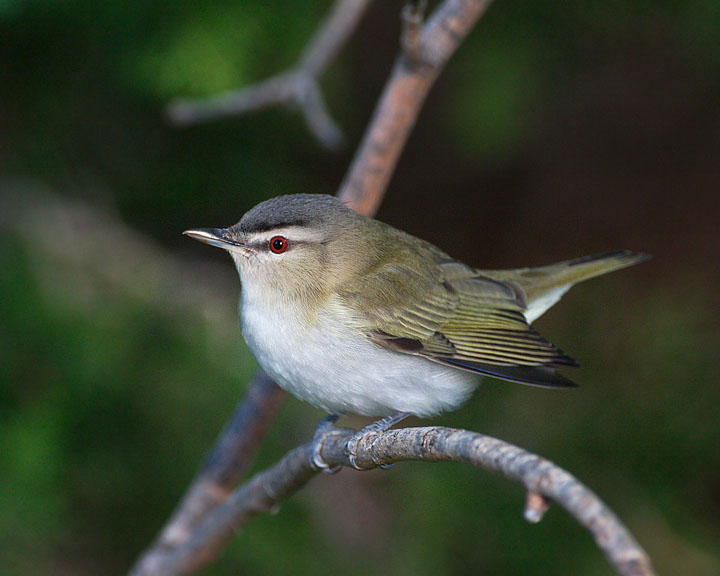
215, 237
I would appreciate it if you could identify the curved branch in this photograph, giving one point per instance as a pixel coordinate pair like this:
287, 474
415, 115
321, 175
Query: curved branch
298, 87
543, 480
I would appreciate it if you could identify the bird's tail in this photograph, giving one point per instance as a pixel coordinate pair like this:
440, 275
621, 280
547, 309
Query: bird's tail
578, 269
545, 285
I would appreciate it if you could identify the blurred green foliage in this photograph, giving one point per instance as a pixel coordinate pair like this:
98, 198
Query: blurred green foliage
556, 129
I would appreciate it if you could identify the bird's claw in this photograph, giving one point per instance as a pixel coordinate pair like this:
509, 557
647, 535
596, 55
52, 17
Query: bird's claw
373, 429
351, 451
317, 462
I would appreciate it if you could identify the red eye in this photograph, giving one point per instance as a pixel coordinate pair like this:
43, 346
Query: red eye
278, 244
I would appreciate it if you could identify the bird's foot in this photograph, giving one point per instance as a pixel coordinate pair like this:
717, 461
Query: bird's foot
317, 462
371, 429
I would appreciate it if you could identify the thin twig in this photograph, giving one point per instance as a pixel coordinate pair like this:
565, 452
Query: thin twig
541, 478
535, 507
298, 87
332, 35
411, 38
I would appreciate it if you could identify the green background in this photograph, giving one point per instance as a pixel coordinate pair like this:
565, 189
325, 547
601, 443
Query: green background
558, 129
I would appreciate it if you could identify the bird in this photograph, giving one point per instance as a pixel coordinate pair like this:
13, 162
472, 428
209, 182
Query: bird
355, 316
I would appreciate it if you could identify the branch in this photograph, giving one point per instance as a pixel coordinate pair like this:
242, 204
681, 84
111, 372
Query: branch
298, 87
543, 480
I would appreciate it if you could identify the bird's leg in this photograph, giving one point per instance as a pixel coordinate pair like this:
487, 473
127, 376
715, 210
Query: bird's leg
374, 428
317, 462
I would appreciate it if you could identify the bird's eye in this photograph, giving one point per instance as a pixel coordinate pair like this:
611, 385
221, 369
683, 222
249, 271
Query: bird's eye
278, 244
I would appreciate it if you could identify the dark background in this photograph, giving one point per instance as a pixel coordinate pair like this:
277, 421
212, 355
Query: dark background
557, 130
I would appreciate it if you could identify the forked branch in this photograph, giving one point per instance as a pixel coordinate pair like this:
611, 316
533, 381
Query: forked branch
298, 87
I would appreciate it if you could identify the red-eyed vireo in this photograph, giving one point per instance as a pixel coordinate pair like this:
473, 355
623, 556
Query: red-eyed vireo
355, 316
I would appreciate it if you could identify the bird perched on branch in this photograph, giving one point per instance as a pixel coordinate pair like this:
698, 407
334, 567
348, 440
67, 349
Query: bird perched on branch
355, 316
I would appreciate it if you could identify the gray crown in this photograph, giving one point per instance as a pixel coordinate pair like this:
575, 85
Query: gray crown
295, 210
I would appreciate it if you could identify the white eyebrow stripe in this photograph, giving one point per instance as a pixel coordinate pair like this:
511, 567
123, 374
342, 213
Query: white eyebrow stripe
292, 233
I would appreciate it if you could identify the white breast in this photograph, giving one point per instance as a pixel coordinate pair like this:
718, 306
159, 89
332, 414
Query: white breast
333, 366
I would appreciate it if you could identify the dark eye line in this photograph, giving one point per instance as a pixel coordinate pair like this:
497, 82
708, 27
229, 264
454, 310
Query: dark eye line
265, 244
290, 242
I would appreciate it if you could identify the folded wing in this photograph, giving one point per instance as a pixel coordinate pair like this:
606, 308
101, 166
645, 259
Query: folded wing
457, 316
